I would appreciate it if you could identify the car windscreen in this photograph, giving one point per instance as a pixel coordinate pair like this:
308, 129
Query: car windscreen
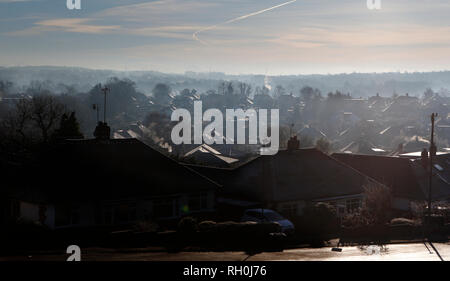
273, 216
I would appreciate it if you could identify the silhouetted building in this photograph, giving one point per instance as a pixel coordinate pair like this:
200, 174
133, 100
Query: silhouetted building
291, 179
99, 182
407, 178
293, 143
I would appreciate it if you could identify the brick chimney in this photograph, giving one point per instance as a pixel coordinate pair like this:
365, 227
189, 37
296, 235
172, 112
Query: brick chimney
102, 131
293, 143
424, 158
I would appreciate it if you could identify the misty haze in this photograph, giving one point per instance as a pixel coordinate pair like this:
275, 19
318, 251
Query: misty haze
135, 130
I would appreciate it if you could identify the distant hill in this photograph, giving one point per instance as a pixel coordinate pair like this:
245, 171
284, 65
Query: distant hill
357, 84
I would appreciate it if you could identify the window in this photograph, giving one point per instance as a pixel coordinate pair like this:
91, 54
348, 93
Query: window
163, 208
121, 213
124, 213
198, 202
67, 216
255, 214
272, 216
353, 205
339, 207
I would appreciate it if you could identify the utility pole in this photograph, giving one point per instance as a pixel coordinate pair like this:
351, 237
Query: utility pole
95, 107
104, 90
432, 152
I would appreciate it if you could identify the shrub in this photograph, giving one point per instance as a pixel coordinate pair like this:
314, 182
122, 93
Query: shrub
320, 219
370, 223
207, 226
418, 209
187, 225
402, 221
146, 226
354, 220
377, 203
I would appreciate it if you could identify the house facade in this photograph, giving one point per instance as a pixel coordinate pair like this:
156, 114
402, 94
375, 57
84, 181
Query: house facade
104, 182
292, 179
407, 177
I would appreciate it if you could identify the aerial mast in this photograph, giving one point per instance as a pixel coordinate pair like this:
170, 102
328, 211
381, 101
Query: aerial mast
104, 90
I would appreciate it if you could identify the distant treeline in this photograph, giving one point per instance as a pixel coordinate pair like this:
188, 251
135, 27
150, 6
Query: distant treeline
357, 84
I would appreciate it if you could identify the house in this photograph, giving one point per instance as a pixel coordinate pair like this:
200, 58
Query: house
403, 108
110, 182
377, 103
206, 155
355, 108
290, 180
362, 146
415, 143
311, 132
18, 197
437, 104
406, 177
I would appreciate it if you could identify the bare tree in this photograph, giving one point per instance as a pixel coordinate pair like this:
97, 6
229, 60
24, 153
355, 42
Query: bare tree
245, 89
229, 88
377, 202
222, 88
30, 117
46, 111
279, 91
20, 121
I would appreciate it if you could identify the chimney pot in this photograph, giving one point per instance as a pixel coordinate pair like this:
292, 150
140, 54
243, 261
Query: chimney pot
424, 158
293, 143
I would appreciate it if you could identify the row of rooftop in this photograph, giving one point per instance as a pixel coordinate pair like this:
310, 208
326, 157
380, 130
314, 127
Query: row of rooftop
103, 181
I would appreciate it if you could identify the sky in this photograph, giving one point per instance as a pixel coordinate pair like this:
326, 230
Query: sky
273, 37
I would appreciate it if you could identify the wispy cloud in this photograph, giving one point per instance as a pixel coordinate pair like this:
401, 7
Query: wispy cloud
78, 25
157, 10
85, 25
362, 36
316, 35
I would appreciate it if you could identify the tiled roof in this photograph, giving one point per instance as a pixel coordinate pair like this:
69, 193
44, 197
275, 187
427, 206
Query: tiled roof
303, 174
114, 168
396, 173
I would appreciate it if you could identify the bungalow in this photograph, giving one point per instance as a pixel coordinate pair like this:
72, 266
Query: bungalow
407, 178
109, 182
291, 179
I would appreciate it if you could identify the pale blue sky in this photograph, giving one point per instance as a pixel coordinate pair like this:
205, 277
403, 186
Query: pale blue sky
306, 36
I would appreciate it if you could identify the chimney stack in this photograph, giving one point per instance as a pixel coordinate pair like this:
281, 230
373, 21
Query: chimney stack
424, 158
102, 131
293, 143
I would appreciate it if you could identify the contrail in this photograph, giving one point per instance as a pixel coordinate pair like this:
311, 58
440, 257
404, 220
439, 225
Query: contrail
195, 34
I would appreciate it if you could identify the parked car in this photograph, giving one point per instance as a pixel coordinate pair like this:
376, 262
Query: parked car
267, 215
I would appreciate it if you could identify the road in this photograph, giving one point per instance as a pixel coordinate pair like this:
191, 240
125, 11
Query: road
391, 252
